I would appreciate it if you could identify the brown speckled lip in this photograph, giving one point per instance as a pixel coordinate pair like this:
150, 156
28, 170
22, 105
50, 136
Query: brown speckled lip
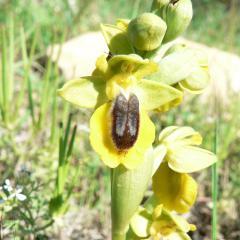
125, 121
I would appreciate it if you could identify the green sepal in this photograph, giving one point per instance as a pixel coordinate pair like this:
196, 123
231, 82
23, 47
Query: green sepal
197, 81
175, 67
154, 95
116, 39
88, 92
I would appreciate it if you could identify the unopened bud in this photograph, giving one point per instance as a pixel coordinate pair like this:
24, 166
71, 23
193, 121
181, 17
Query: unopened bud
177, 14
147, 31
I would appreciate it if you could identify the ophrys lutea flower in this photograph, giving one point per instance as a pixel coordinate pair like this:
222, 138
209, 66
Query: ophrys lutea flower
172, 185
159, 223
120, 130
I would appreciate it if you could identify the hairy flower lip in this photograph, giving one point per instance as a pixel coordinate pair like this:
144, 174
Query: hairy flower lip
125, 121
102, 143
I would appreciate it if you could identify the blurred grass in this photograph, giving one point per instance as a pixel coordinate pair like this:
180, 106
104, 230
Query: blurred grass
28, 27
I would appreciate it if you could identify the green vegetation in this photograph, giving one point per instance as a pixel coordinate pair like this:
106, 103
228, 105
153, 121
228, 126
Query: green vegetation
30, 115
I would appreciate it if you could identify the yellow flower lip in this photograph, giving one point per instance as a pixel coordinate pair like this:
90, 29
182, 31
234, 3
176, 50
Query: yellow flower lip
176, 191
103, 143
125, 121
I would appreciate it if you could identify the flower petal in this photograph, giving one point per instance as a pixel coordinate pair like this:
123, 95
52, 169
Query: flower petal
153, 95
21, 197
158, 155
87, 92
122, 23
188, 159
140, 223
102, 143
166, 132
177, 236
174, 190
116, 39
101, 66
132, 64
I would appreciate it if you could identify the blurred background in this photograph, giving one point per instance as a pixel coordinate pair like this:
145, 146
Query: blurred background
35, 124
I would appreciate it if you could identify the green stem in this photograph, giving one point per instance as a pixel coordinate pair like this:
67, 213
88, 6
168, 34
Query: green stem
215, 173
118, 236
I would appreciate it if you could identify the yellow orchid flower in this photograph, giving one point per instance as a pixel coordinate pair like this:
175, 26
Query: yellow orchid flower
176, 191
182, 153
120, 129
185, 68
160, 224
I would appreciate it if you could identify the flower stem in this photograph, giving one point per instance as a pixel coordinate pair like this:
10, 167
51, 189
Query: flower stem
215, 173
118, 236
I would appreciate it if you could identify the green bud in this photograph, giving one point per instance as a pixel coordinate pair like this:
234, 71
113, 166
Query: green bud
147, 31
177, 14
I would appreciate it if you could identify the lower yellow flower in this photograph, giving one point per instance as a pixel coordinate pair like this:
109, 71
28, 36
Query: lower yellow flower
159, 224
112, 153
176, 191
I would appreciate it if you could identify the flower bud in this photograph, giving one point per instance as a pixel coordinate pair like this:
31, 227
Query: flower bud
177, 14
146, 32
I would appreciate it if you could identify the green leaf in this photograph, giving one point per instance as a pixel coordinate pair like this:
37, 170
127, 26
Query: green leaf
88, 92
116, 39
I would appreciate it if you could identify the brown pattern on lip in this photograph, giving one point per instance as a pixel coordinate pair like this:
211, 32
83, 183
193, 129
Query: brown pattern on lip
125, 121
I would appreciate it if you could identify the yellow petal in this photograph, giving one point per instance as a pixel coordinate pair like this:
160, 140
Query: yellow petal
101, 140
132, 64
166, 132
140, 223
122, 23
85, 92
177, 236
188, 159
174, 190
158, 155
101, 66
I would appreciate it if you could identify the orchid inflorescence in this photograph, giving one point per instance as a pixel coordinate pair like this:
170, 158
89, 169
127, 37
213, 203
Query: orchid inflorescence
146, 71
